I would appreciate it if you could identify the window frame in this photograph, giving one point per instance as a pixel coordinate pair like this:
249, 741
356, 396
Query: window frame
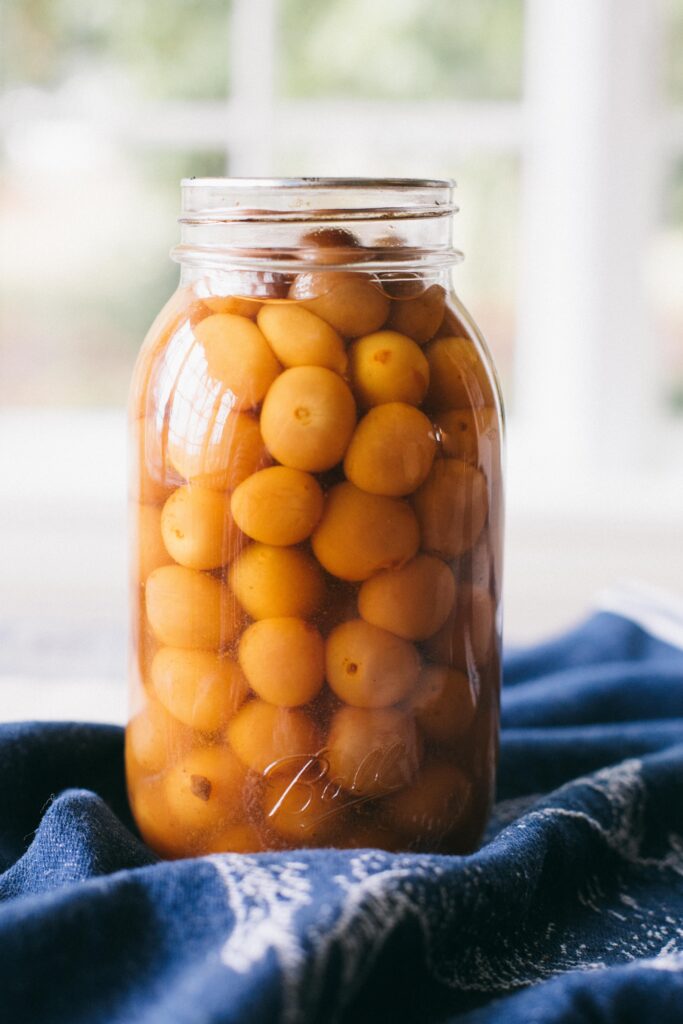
574, 188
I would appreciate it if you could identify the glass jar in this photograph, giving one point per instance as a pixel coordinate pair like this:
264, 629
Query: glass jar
316, 505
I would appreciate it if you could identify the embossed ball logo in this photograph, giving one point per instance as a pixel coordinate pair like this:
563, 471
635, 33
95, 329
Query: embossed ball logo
314, 793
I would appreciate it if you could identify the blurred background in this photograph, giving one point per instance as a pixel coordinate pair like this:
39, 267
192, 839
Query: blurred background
563, 126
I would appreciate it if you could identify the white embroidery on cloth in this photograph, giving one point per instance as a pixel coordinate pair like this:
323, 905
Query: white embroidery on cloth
381, 890
265, 899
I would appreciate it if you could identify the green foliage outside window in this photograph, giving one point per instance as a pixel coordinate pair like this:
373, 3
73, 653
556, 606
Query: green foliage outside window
401, 49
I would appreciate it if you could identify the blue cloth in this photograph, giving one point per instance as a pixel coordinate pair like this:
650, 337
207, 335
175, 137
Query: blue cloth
572, 911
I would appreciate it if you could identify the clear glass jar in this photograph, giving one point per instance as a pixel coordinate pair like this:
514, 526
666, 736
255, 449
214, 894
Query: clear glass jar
316, 505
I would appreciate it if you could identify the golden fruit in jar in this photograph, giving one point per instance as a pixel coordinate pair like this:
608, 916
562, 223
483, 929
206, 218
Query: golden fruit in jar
420, 316
264, 285
273, 582
185, 608
217, 450
451, 507
367, 834
198, 528
136, 773
388, 367
400, 285
467, 637
267, 737
143, 642
457, 376
433, 805
151, 551
413, 602
391, 451
200, 688
444, 703
183, 309
206, 788
279, 505
495, 538
238, 358
283, 660
482, 562
240, 837
371, 752
368, 667
302, 810
149, 809
452, 325
465, 434
300, 338
307, 418
152, 479
361, 533
330, 245
349, 301
238, 305
153, 738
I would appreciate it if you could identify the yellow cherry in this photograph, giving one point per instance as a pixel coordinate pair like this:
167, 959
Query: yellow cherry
457, 376
205, 789
388, 367
275, 582
283, 660
413, 601
451, 507
185, 608
368, 667
278, 505
419, 316
361, 533
200, 688
272, 739
433, 805
217, 449
307, 418
238, 358
391, 451
444, 703
300, 338
349, 301
372, 751
198, 528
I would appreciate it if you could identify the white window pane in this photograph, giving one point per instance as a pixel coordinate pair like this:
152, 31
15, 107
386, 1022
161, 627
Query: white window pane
665, 268
673, 51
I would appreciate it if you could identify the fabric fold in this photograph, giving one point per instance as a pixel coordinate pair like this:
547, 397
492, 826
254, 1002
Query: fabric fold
572, 910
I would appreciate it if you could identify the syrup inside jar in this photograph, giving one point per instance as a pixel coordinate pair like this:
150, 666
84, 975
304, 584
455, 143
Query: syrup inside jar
316, 506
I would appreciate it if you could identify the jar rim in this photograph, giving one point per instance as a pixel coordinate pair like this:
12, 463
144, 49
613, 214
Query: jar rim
226, 218
319, 182
314, 199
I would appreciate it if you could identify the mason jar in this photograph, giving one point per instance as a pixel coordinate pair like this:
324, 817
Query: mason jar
316, 506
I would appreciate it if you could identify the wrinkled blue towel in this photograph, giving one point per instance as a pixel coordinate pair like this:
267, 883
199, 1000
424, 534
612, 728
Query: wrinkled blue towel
571, 912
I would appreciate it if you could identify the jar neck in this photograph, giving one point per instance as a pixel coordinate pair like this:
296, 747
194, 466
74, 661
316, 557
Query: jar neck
379, 225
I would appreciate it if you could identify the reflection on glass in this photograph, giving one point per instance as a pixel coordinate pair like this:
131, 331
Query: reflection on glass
665, 272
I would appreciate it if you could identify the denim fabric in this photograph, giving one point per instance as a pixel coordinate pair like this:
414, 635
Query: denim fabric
572, 911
